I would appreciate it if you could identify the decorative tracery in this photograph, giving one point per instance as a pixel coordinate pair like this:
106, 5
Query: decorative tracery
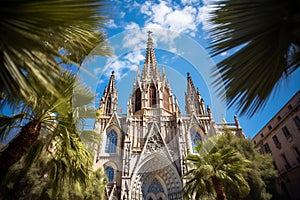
155, 143
109, 171
195, 137
155, 187
111, 142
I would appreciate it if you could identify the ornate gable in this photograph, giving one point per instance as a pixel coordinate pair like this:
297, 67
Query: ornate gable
154, 143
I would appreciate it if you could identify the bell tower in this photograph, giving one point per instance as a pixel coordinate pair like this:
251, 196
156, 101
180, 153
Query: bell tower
151, 89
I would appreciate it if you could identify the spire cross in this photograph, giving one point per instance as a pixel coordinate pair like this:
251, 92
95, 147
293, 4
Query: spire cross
149, 33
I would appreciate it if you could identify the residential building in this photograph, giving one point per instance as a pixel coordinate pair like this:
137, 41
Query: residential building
280, 137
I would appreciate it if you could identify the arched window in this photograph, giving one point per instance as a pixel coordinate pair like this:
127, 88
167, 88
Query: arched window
111, 142
195, 137
155, 187
166, 99
152, 96
109, 171
138, 100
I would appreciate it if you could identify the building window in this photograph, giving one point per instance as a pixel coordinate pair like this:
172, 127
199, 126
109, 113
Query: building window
270, 127
267, 148
297, 121
275, 140
290, 107
261, 151
298, 154
152, 96
286, 132
155, 187
166, 99
262, 135
111, 142
279, 118
287, 164
254, 142
109, 171
138, 100
195, 137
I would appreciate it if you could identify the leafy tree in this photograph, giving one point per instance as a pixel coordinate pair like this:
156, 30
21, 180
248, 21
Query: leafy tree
213, 168
266, 33
36, 36
31, 180
261, 174
58, 117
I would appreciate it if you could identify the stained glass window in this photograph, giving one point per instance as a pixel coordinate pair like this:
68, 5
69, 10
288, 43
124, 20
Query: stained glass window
109, 171
195, 136
111, 142
155, 187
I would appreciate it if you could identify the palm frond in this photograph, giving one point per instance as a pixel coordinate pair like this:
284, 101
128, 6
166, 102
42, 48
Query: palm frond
7, 122
263, 33
35, 34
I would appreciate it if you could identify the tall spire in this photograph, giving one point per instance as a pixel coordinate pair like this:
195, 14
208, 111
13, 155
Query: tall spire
193, 101
150, 66
111, 85
109, 100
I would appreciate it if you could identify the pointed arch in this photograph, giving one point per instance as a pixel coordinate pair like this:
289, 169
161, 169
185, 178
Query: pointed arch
196, 135
138, 100
110, 173
111, 141
155, 187
152, 96
166, 100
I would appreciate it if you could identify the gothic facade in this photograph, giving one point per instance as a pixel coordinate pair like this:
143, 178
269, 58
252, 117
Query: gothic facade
143, 151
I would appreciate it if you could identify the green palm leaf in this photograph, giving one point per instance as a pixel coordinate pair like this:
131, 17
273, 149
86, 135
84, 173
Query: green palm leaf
36, 35
266, 34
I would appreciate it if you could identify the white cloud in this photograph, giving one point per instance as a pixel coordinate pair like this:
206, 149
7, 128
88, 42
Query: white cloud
132, 25
122, 14
111, 23
167, 20
203, 16
171, 17
190, 2
182, 21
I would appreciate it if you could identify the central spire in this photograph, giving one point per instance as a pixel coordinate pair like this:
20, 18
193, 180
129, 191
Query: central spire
150, 66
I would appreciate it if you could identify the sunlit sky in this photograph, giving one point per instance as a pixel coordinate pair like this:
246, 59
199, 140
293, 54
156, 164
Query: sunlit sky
181, 46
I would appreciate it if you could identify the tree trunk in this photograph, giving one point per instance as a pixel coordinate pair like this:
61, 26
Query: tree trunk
219, 188
19, 146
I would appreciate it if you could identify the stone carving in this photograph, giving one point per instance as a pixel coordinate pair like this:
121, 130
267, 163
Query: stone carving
154, 144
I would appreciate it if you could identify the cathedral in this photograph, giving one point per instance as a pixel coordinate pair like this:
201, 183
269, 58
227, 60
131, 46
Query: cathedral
143, 151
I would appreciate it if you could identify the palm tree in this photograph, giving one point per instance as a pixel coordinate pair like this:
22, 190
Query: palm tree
211, 169
36, 36
58, 118
265, 34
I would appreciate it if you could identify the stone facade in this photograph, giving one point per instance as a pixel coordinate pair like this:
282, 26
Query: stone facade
280, 137
143, 151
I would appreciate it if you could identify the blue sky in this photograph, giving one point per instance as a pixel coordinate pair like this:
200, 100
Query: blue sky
181, 46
